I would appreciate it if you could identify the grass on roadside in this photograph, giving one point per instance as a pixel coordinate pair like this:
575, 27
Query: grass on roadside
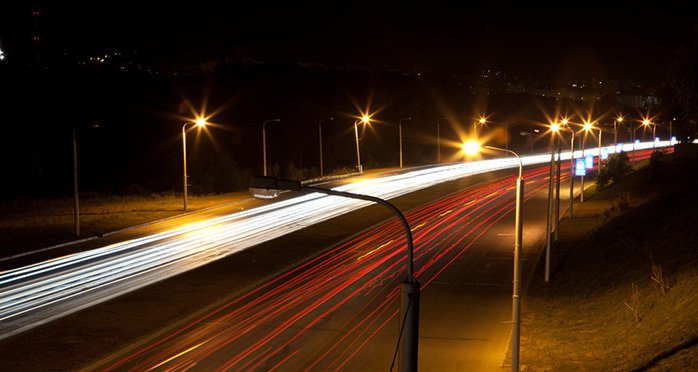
622, 296
32, 224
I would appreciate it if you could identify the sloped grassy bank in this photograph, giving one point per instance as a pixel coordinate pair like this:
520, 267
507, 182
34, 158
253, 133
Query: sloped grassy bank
624, 290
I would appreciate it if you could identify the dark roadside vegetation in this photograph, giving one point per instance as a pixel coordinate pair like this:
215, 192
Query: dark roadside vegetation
622, 294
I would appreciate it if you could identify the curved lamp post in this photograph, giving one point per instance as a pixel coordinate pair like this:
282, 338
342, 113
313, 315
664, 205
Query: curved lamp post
400, 134
75, 178
319, 127
199, 123
264, 142
263, 187
365, 120
516, 296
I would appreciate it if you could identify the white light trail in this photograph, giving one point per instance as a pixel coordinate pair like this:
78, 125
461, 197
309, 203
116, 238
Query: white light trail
38, 293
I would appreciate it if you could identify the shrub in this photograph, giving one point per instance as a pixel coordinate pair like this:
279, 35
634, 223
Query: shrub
614, 169
654, 158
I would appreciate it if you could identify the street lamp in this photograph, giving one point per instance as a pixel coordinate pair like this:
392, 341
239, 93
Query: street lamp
199, 123
75, 177
264, 142
565, 125
555, 128
619, 120
647, 123
587, 128
365, 120
634, 129
400, 134
264, 187
438, 141
319, 126
482, 122
516, 297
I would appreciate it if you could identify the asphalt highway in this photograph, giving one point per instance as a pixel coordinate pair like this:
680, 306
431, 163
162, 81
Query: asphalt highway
337, 310
340, 310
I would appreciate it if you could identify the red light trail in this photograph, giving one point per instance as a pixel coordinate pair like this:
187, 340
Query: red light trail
339, 301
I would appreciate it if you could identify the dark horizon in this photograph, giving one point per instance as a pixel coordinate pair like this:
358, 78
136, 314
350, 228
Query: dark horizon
532, 40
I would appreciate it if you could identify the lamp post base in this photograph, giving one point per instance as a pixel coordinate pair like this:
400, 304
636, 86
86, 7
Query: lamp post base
409, 316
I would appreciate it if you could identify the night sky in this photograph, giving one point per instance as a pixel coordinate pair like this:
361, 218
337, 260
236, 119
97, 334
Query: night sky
540, 40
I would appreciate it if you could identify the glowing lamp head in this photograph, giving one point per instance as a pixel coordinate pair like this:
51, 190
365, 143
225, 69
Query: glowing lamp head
482, 120
646, 122
620, 119
200, 122
555, 127
587, 126
471, 147
365, 119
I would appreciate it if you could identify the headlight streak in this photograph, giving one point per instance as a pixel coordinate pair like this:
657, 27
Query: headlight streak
70, 283
336, 271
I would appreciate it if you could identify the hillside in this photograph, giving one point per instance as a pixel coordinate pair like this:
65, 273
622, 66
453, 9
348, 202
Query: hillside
622, 295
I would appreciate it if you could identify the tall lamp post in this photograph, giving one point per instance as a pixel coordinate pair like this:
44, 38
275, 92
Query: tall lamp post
671, 138
400, 134
516, 297
319, 126
634, 129
555, 128
438, 140
566, 126
75, 178
481, 121
199, 123
364, 120
618, 120
270, 187
264, 142
587, 128
647, 123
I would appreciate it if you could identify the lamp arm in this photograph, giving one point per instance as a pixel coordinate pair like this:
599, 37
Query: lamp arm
400, 216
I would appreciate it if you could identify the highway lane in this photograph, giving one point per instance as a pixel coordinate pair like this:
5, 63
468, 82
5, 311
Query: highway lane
339, 311
38, 293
